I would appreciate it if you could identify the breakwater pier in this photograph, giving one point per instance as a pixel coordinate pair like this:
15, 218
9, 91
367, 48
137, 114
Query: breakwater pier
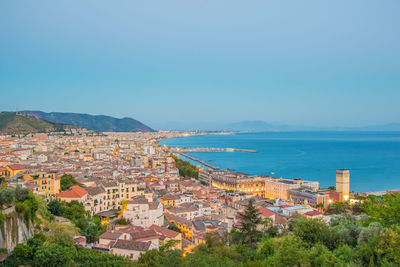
208, 149
198, 160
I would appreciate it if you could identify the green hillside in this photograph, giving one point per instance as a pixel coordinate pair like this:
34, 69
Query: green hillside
15, 123
98, 123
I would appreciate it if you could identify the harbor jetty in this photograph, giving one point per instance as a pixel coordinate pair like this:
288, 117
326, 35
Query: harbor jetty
208, 149
198, 160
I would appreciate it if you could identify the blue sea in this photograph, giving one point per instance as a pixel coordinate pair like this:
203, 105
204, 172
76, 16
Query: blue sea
373, 158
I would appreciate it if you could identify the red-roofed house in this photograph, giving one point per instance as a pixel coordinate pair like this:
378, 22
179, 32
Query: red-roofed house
147, 235
167, 235
74, 193
14, 169
266, 213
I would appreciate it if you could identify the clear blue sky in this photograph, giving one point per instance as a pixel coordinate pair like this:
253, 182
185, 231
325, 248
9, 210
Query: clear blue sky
306, 62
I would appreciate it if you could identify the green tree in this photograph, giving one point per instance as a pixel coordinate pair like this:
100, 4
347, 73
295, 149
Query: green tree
21, 255
74, 210
347, 228
213, 239
312, 231
338, 208
388, 248
7, 196
36, 241
344, 253
290, 251
54, 255
61, 234
66, 181
249, 222
384, 210
55, 207
21, 194
32, 205
321, 256
368, 241
92, 233
270, 230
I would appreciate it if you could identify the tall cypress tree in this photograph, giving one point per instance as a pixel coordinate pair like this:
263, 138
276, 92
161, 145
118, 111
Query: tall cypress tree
250, 219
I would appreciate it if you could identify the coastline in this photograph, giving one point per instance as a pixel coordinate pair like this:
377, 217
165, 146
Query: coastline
284, 157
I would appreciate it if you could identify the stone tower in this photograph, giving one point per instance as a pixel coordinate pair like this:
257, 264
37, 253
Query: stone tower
343, 183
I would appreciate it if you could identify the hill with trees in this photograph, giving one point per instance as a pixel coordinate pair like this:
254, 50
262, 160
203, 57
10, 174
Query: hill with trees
98, 123
18, 123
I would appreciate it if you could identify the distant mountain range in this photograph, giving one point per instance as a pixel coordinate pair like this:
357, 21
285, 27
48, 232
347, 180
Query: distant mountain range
262, 126
15, 123
99, 123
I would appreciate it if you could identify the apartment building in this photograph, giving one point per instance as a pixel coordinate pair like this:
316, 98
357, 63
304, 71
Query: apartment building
143, 213
279, 188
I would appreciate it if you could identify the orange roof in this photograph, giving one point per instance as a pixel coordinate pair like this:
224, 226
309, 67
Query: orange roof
265, 212
164, 231
16, 167
74, 192
173, 197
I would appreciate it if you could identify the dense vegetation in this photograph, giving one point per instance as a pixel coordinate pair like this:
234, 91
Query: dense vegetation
98, 123
185, 168
87, 225
58, 249
24, 201
66, 181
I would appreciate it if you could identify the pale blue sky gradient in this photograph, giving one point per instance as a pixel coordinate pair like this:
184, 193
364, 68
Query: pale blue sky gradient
307, 62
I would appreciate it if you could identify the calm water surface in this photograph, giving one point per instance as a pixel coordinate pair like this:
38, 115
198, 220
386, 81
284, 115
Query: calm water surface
372, 157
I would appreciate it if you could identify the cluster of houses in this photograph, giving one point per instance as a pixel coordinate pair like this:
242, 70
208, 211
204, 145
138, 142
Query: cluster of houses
129, 176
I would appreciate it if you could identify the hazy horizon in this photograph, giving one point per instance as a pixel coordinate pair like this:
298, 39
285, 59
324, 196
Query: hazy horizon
311, 63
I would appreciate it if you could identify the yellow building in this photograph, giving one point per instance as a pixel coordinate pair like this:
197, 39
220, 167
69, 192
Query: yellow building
254, 185
13, 170
169, 200
49, 183
184, 225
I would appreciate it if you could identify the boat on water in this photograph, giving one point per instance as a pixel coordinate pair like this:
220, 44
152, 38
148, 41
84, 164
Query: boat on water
230, 169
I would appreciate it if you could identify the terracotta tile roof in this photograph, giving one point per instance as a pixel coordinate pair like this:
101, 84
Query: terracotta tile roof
280, 219
95, 190
110, 235
173, 197
164, 231
16, 167
74, 192
146, 234
131, 245
265, 212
